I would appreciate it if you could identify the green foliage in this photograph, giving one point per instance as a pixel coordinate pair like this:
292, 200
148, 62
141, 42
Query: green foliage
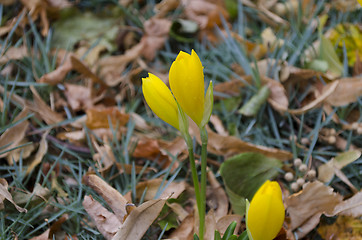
243, 174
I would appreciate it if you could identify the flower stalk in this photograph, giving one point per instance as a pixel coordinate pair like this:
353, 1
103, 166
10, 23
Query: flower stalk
188, 99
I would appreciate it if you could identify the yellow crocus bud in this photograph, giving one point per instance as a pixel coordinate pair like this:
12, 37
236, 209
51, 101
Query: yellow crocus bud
187, 85
266, 212
160, 99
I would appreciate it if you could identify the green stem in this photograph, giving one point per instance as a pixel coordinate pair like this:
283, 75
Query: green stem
202, 212
195, 180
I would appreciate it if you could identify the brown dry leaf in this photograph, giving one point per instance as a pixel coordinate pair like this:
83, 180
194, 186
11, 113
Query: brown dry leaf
224, 222
105, 221
111, 68
151, 149
350, 207
140, 220
347, 91
164, 7
221, 200
23, 152
79, 66
58, 75
327, 170
101, 118
205, 13
327, 92
71, 62
5, 194
179, 210
231, 88
42, 150
38, 9
278, 97
39, 194
104, 156
306, 206
230, 145
173, 190
114, 199
78, 97
210, 225
13, 136
13, 53
186, 229
156, 33
45, 112
52, 231
343, 228
215, 120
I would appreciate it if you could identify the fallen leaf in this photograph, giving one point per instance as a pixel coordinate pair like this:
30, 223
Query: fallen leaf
251, 108
58, 75
114, 199
350, 207
224, 222
23, 152
230, 145
53, 229
101, 118
5, 194
221, 201
306, 206
45, 112
105, 221
156, 33
153, 186
186, 229
112, 67
39, 194
328, 91
42, 150
210, 225
78, 97
13, 136
13, 53
205, 13
326, 171
342, 228
347, 91
140, 220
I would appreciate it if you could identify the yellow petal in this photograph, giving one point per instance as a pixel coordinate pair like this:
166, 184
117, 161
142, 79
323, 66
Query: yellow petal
266, 212
187, 84
160, 99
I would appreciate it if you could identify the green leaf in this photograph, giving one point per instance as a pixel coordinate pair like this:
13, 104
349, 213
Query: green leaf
252, 107
74, 26
243, 236
196, 237
346, 158
217, 235
328, 54
243, 174
229, 231
209, 102
184, 30
318, 65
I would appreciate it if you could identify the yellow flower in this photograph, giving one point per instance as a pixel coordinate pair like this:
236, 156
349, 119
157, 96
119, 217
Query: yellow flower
187, 84
266, 212
160, 99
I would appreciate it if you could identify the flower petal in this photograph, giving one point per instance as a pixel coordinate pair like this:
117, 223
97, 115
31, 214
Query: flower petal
187, 84
160, 99
266, 212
